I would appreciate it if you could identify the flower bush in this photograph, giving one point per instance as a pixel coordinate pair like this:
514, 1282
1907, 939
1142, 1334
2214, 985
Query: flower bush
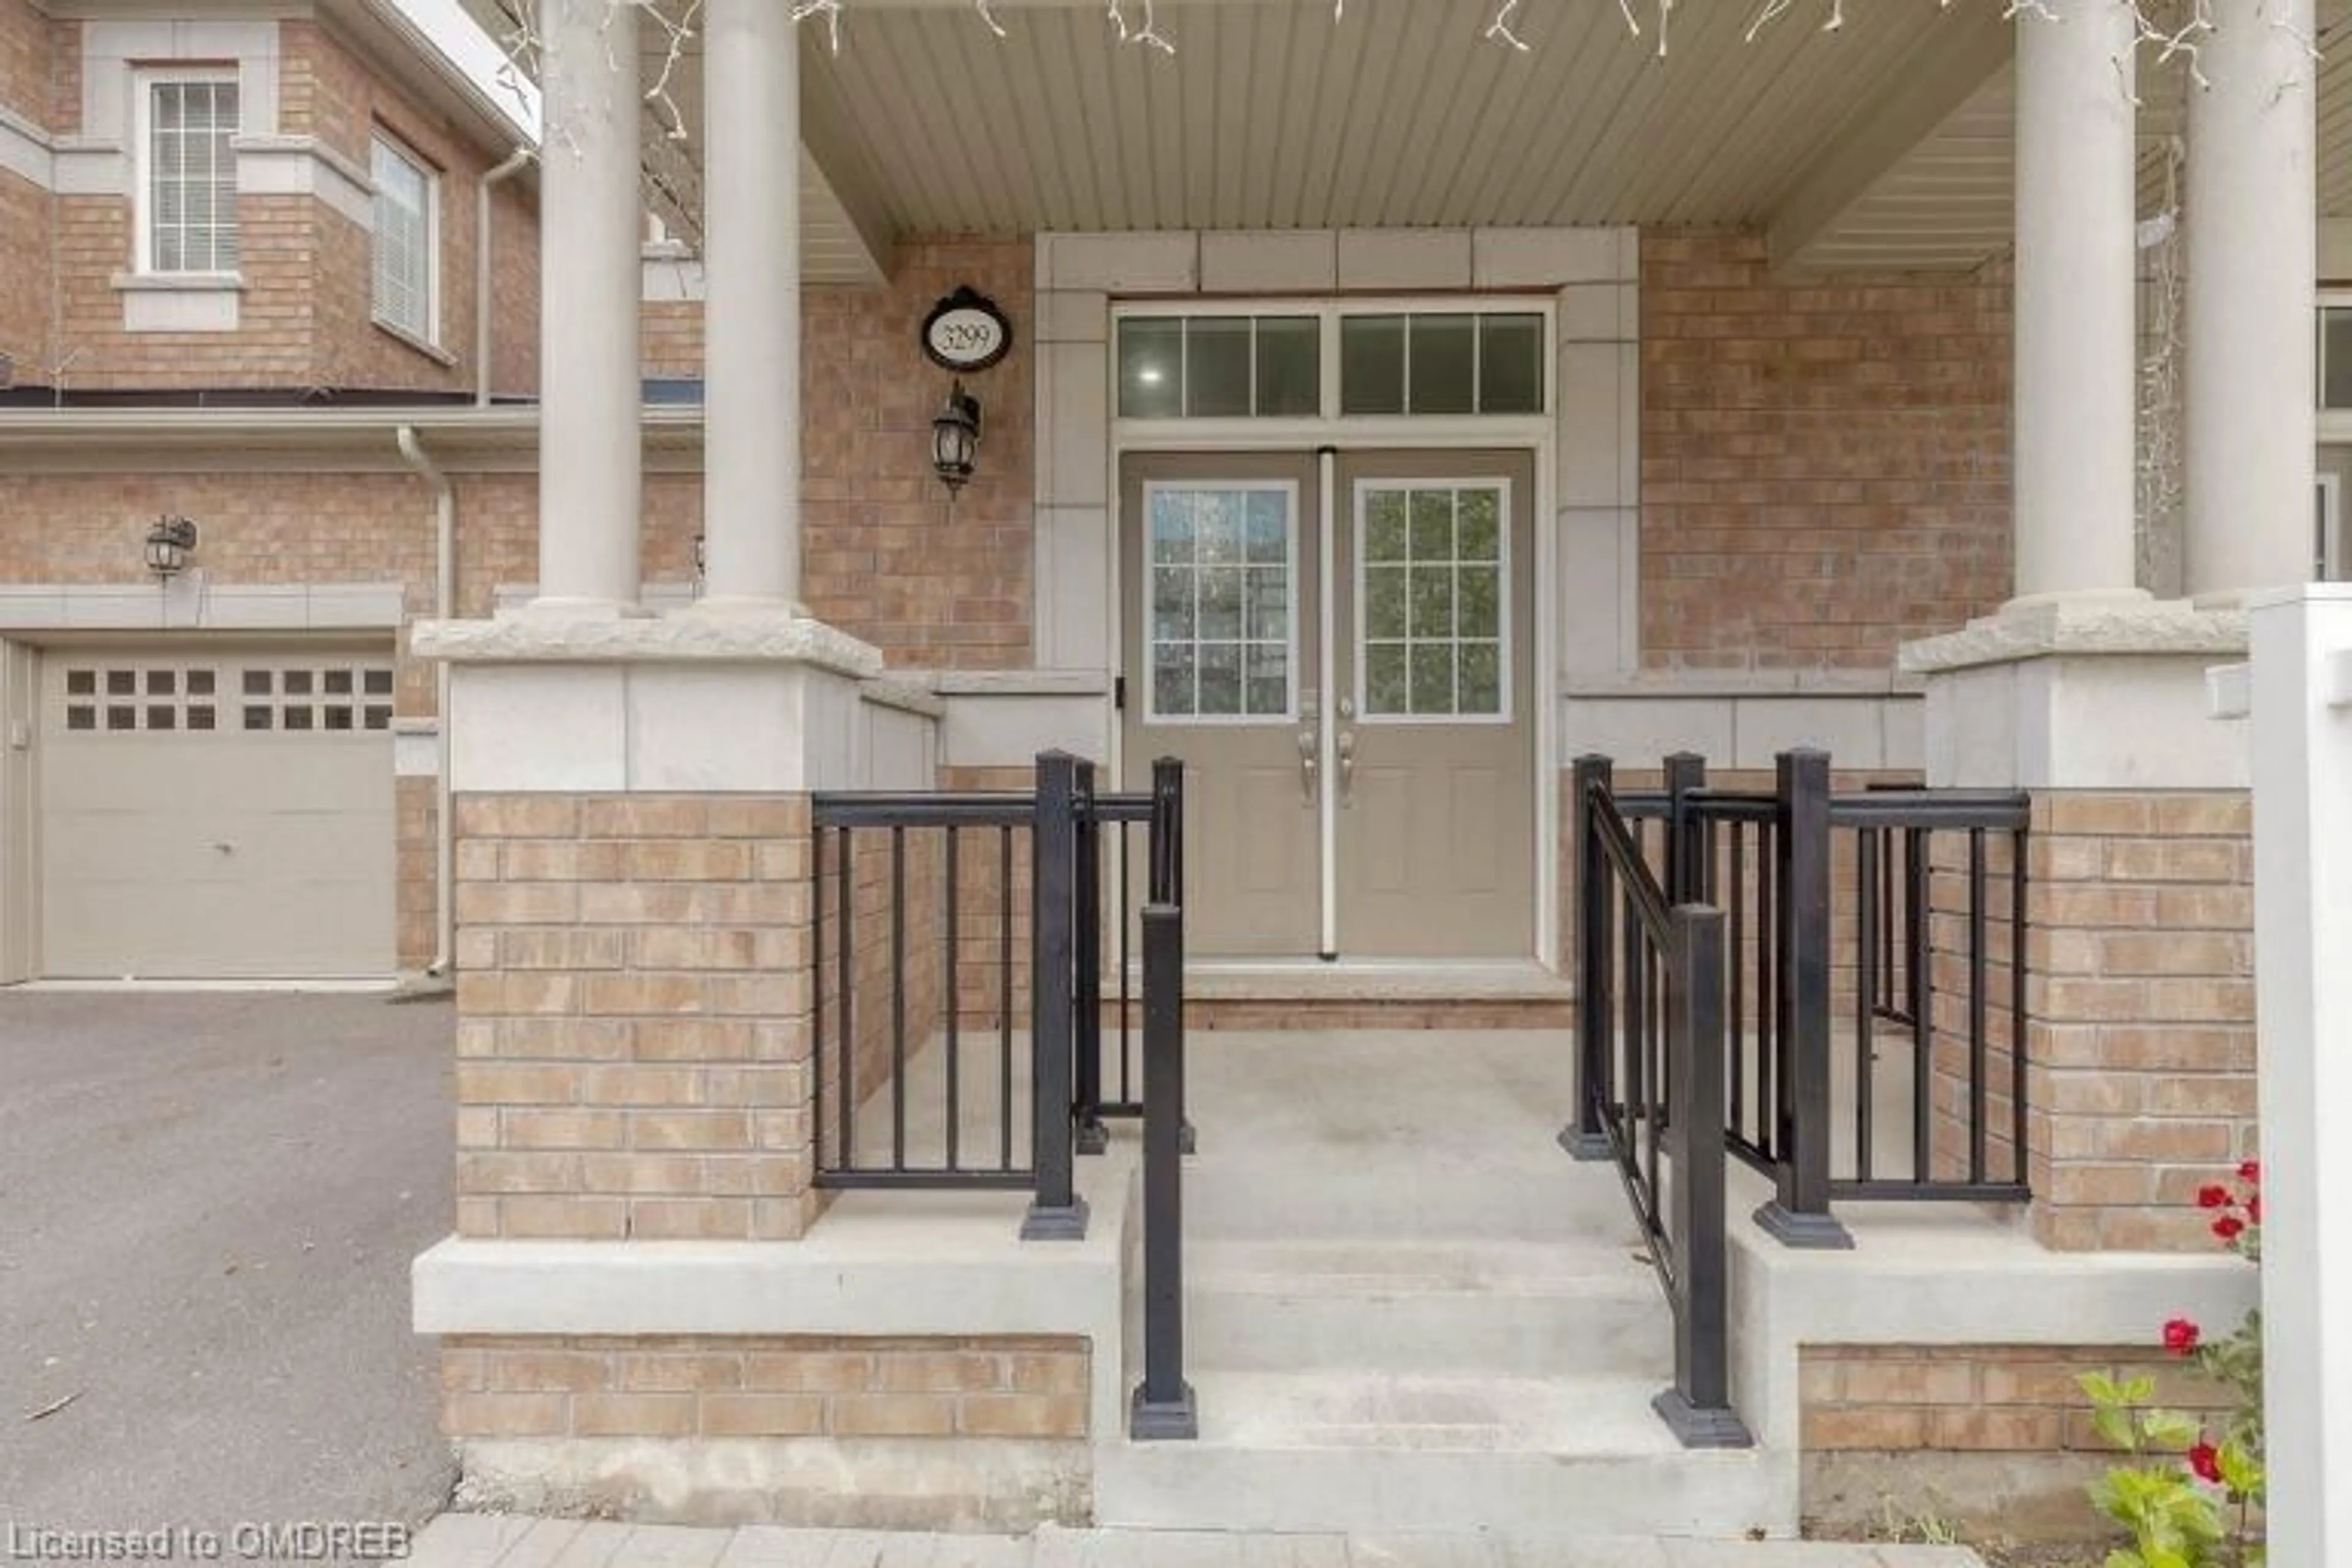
2190, 1496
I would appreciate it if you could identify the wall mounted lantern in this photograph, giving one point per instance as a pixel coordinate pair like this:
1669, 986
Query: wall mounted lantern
955, 438
169, 544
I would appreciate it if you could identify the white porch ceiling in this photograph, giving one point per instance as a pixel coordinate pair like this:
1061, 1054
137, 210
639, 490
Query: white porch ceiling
1885, 145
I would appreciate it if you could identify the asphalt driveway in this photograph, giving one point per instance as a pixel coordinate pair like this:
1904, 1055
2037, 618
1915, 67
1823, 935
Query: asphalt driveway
208, 1204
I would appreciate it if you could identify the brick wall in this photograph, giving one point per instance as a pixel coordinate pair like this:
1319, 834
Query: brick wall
633, 1006
306, 316
777, 1387
2140, 1012
27, 63
1824, 466
1973, 1398
885, 556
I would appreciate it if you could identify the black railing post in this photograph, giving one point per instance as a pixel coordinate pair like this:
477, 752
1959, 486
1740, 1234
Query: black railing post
1163, 1406
1056, 1213
1698, 1406
1686, 875
1586, 1138
1166, 853
1799, 1214
1092, 1136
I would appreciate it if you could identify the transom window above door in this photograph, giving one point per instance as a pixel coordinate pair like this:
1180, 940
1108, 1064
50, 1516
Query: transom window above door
1310, 362
1224, 607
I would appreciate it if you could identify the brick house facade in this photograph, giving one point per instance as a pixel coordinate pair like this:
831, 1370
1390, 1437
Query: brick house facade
1760, 487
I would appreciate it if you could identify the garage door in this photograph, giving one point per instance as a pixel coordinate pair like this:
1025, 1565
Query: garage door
217, 814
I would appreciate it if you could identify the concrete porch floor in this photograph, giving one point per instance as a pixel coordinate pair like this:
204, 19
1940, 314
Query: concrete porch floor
484, 1540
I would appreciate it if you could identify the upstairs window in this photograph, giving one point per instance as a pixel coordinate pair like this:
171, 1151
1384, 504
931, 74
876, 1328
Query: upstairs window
406, 199
187, 210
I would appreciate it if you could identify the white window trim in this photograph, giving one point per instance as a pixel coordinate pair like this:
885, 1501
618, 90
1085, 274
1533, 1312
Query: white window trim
2335, 547
404, 150
1149, 675
144, 80
1505, 591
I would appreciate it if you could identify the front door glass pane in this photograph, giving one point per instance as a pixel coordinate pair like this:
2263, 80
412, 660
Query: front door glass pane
1223, 601
1430, 634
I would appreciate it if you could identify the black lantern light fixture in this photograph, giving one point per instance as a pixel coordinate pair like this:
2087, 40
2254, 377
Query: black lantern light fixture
955, 438
169, 544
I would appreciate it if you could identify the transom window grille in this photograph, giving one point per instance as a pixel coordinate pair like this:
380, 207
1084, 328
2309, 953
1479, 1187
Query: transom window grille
190, 190
1450, 362
205, 698
406, 192
1204, 367
1224, 600
1434, 574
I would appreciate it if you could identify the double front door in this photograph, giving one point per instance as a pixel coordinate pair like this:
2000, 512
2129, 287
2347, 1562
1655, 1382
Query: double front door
1350, 678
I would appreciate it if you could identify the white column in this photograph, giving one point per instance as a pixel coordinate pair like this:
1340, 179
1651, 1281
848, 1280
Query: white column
591, 226
2303, 927
751, 305
2252, 247
2074, 404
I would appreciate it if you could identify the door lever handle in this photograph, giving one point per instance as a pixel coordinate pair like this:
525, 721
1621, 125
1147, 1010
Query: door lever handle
1310, 764
1346, 766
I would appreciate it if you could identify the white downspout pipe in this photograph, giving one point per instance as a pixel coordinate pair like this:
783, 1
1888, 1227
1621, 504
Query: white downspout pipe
482, 312
445, 600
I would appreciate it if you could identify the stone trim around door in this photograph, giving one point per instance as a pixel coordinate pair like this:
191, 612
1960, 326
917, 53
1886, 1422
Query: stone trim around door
1596, 401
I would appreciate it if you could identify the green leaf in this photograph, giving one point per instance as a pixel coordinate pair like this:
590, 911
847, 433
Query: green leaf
2116, 1425
2170, 1429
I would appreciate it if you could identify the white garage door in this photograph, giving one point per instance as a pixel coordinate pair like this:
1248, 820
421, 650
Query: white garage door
217, 812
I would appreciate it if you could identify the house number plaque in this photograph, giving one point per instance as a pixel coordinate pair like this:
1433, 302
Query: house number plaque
966, 332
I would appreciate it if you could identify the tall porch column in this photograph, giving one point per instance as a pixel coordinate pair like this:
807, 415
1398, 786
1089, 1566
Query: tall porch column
752, 271
591, 222
2075, 406
2251, 252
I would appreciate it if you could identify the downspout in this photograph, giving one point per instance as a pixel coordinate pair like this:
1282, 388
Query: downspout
445, 599
482, 312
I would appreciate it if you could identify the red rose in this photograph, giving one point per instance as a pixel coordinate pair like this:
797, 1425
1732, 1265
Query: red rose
2254, 1208
2251, 1171
2206, 1460
2228, 1227
2212, 1197
2180, 1336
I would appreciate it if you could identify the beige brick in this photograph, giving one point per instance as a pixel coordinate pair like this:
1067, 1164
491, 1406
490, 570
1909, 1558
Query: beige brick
544, 1371
692, 1219
892, 1415
810, 1372
517, 816
763, 1415
505, 1414
939, 1372
564, 1129
1024, 1416
1994, 1431
1869, 1429
645, 816
715, 1130
566, 1218
672, 1372
633, 1415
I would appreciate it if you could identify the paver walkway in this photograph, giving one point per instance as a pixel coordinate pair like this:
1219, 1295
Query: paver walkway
495, 1540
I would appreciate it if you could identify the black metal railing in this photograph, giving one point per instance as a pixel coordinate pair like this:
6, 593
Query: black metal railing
1874, 981
935, 912
1650, 1026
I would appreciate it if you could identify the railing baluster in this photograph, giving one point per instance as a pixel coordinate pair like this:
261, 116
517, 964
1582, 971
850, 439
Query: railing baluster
898, 998
2019, 846
953, 993
1867, 918
1126, 957
1917, 865
1737, 956
817, 989
1004, 1001
846, 896
1977, 1067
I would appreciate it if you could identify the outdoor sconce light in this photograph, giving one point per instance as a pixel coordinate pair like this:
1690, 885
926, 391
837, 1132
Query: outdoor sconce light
169, 544
955, 438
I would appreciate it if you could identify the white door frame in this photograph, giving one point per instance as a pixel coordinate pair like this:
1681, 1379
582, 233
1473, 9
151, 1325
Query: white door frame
1535, 433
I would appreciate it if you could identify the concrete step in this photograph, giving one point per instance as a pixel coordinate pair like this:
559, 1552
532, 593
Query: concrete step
1516, 1309
1337, 1451
1544, 1200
